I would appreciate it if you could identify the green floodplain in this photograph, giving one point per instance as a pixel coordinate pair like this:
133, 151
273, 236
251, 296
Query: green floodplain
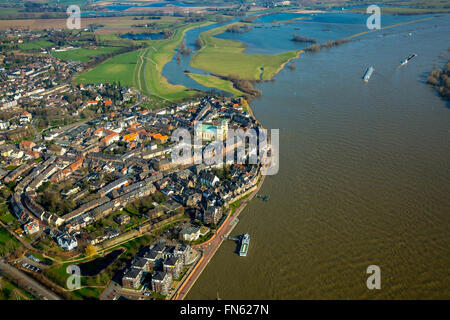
227, 58
216, 82
142, 68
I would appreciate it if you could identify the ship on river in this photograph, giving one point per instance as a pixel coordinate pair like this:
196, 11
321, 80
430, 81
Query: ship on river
368, 74
244, 245
406, 60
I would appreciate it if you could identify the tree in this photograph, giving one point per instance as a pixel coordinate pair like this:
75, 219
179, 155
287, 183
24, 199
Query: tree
198, 43
90, 250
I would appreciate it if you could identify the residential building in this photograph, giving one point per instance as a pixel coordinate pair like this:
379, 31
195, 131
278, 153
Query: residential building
122, 219
31, 227
208, 178
132, 278
173, 266
190, 233
212, 215
66, 242
25, 118
161, 282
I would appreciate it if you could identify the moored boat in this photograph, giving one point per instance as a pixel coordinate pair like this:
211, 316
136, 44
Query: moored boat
244, 245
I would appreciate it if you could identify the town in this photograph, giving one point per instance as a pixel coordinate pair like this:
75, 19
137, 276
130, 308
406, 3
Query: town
106, 177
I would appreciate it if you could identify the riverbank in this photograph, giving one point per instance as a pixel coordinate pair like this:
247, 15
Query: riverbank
228, 58
210, 247
361, 177
390, 26
214, 82
143, 68
403, 10
284, 64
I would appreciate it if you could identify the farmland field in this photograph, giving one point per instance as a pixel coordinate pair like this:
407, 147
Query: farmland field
111, 24
8, 11
36, 45
118, 68
83, 54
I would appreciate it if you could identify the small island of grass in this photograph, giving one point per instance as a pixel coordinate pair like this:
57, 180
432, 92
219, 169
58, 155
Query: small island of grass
226, 57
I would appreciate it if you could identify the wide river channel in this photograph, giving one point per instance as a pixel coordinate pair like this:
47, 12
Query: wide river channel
364, 173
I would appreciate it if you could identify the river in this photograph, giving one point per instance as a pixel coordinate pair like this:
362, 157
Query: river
364, 169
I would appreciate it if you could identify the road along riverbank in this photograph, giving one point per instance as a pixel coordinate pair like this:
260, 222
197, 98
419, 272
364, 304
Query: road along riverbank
210, 247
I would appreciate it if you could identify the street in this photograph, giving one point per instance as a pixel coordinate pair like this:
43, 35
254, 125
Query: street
27, 282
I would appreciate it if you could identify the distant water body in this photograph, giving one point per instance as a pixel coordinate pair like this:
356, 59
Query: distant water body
152, 5
143, 36
364, 171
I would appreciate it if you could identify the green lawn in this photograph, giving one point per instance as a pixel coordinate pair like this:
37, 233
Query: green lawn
57, 273
35, 45
152, 62
216, 82
5, 216
87, 293
142, 68
118, 68
9, 291
227, 58
7, 242
83, 54
8, 11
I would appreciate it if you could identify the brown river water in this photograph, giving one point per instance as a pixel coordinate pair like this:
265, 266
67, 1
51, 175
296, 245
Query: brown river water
364, 176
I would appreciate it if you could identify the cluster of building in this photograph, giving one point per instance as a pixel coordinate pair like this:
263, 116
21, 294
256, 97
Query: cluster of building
132, 147
44, 80
163, 262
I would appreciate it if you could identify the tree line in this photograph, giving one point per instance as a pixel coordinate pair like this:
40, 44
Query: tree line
299, 38
243, 85
440, 80
238, 29
327, 44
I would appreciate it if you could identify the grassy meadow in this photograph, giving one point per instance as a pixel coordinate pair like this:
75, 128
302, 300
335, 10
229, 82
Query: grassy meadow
153, 60
35, 45
142, 68
7, 242
215, 82
83, 54
227, 58
118, 68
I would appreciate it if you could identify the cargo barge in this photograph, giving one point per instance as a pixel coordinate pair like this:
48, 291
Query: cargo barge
406, 60
368, 74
